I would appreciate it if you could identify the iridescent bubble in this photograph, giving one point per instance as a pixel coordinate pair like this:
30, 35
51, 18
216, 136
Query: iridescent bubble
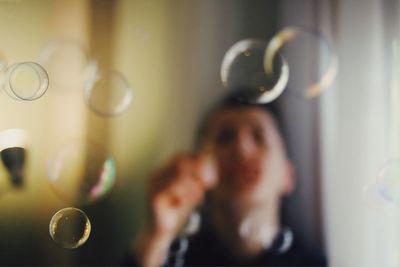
242, 69
68, 64
70, 228
304, 41
3, 63
373, 198
81, 171
388, 181
26, 81
108, 93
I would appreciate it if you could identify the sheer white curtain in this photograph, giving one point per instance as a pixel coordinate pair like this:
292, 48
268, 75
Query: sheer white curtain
358, 127
355, 135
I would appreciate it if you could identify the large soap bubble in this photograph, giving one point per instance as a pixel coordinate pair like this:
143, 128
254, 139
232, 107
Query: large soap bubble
242, 69
81, 171
326, 61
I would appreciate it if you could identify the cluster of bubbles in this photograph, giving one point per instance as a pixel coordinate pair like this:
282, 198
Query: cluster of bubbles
80, 171
384, 190
261, 72
66, 66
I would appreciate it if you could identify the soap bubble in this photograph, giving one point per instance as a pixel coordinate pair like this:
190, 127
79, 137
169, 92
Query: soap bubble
70, 228
243, 68
81, 171
26, 81
304, 41
373, 198
388, 181
3, 63
108, 93
67, 63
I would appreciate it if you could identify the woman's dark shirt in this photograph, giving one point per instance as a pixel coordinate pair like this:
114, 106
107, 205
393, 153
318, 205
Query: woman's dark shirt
205, 249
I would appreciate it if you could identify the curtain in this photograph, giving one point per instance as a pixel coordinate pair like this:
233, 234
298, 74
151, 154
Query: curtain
355, 134
356, 128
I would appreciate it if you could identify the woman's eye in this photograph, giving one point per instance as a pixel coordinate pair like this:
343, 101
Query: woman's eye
258, 135
225, 136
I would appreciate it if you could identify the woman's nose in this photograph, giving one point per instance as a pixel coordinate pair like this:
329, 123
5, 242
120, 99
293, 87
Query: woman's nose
244, 146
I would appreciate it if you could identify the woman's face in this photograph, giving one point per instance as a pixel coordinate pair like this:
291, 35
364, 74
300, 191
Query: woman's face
252, 162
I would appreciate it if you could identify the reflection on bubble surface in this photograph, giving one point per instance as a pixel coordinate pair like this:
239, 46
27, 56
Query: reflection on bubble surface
81, 171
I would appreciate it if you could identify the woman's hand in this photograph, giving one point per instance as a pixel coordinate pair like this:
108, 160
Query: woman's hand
175, 190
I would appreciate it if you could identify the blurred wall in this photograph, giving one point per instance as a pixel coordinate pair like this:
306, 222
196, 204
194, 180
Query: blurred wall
26, 26
170, 52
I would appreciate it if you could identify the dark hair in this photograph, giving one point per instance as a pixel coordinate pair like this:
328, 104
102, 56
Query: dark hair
235, 99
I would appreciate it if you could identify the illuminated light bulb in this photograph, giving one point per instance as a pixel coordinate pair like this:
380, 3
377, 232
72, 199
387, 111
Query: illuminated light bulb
13, 143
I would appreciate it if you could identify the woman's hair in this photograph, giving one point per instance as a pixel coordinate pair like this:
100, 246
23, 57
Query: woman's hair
232, 101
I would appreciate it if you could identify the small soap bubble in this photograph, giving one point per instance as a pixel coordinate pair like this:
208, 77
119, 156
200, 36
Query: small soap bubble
108, 93
81, 172
26, 81
70, 228
242, 69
